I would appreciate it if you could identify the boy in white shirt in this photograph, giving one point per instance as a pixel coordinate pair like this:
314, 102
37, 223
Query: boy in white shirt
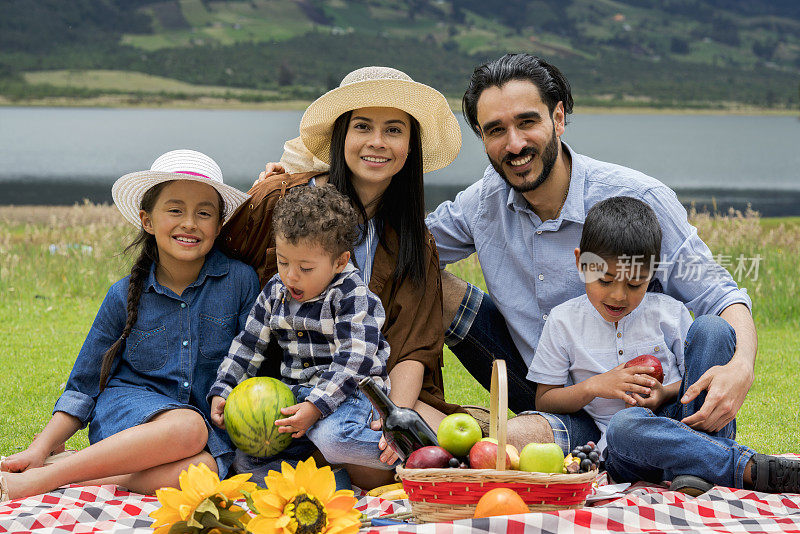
580, 365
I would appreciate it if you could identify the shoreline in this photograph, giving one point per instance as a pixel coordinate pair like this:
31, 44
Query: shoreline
218, 103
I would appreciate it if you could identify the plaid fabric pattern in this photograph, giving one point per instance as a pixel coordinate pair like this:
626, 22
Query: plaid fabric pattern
467, 311
79, 510
330, 343
644, 509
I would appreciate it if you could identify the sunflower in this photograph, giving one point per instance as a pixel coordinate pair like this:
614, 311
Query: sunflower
201, 493
303, 501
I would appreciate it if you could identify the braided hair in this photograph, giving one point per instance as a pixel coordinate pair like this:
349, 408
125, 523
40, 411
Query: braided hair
148, 255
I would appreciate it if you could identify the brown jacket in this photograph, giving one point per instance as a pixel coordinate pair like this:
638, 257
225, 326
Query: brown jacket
413, 314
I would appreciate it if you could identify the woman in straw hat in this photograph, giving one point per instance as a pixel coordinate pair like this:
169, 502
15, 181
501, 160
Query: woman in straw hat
373, 137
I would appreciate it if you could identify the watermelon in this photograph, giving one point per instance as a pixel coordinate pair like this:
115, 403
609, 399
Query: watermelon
250, 414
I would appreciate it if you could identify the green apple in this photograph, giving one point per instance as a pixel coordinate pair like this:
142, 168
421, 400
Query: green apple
457, 433
541, 457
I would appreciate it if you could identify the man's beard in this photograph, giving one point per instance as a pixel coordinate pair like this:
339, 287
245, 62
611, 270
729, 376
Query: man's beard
548, 157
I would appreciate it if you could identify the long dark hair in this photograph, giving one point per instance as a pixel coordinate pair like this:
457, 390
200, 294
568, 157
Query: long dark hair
402, 205
148, 255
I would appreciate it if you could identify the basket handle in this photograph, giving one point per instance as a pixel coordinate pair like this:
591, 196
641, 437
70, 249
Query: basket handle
498, 411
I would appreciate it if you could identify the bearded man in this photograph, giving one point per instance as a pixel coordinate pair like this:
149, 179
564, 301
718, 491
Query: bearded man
524, 218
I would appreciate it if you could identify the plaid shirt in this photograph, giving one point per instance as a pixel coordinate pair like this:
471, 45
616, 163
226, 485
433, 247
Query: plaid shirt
330, 343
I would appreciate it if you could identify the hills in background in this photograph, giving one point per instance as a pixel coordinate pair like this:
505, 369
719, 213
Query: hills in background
673, 53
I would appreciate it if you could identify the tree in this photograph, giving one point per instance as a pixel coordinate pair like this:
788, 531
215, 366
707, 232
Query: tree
285, 74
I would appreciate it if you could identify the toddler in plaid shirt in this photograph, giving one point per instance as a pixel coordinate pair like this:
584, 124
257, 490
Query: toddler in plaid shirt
328, 324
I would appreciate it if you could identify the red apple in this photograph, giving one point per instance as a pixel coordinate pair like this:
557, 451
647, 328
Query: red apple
428, 457
483, 455
648, 360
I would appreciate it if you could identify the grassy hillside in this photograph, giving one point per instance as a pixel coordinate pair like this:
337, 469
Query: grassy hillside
631, 52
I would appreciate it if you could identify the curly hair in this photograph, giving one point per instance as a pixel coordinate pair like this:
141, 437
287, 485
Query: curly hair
319, 214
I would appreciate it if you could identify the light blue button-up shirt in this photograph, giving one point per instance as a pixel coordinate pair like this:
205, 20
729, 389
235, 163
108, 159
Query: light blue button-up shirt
529, 265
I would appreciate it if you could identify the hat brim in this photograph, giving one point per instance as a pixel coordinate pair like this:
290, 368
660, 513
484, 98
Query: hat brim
128, 191
440, 133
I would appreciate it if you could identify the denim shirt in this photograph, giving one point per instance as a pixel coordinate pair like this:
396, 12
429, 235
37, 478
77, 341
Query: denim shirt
177, 342
529, 264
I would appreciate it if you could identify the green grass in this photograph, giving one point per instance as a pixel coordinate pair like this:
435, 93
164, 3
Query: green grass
117, 80
49, 302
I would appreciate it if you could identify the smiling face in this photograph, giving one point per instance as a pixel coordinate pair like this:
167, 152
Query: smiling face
306, 268
520, 135
376, 146
619, 290
185, 220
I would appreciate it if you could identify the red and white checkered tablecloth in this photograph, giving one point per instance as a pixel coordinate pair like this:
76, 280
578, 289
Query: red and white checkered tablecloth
91, 509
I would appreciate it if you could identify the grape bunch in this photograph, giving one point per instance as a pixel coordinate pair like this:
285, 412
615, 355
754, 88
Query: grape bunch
582, 459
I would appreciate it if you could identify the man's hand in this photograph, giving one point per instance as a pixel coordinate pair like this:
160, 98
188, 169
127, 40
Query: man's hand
303, 416
218, 411
726, 387
389, 455
622, 382
270, 169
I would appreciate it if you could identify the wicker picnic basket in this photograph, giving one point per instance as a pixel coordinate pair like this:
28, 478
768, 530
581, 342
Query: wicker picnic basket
449, 494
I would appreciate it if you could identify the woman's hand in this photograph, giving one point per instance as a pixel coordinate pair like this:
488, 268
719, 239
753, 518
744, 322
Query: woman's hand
303, 416
388, 455
218, 411
622, 383
270, 169
22, 461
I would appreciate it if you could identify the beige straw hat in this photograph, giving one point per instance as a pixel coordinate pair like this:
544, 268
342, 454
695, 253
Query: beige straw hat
175, 165
297, 158
390, 88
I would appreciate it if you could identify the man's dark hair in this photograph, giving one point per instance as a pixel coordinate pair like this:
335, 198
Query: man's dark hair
622, 226
553, 85
319, 214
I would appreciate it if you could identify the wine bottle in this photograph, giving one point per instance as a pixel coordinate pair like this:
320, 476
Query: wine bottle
404, 429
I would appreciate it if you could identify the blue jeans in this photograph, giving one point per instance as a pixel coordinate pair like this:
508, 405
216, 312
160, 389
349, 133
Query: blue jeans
486, 340
344, 437
643, 445
478, 336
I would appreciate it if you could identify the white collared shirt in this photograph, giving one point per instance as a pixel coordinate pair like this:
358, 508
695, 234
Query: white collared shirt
577, 343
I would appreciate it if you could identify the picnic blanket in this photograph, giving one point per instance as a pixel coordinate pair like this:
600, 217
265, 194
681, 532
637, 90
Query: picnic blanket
91, 509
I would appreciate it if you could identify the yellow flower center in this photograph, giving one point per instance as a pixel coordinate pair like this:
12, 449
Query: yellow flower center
308, 513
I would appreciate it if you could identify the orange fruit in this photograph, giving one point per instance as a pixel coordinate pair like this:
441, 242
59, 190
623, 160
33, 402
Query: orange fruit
500, 501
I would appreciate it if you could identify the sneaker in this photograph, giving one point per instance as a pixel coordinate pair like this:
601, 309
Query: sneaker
775, 474
481, 415
690, 485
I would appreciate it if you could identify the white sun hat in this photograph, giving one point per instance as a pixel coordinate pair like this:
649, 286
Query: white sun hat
390, 88
174, 165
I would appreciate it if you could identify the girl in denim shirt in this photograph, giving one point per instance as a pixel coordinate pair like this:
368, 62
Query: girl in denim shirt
142, 375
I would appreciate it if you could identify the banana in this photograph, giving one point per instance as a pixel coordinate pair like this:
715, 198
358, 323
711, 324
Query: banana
377, 492
394, 495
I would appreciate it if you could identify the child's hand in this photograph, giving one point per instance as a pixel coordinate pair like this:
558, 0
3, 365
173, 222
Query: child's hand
218, 411
22, 461
622, 383
389, 455
303, 416
657, 397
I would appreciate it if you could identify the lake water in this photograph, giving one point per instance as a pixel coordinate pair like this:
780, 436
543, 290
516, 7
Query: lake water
62, 155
